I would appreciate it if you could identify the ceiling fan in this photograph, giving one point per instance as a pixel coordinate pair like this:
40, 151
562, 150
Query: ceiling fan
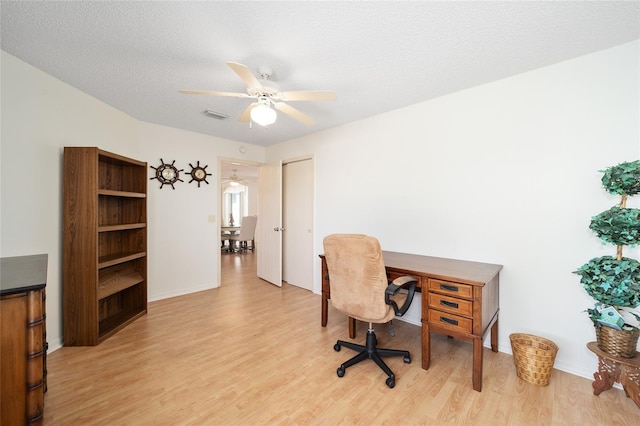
267, 94
234, 180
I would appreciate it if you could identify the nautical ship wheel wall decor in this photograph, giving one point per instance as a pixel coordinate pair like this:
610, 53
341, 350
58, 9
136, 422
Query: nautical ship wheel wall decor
167, 174
199, 174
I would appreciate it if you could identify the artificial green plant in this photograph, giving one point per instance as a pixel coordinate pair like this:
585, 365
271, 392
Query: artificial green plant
615, 281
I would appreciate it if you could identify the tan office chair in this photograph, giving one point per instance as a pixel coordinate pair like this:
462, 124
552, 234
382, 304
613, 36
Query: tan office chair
360, 289
246, 234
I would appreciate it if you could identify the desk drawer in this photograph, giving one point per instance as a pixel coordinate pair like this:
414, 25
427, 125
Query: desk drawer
451, 288
455, 323
451, 304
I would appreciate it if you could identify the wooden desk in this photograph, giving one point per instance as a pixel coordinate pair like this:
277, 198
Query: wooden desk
23, 341
613, 369
459, 298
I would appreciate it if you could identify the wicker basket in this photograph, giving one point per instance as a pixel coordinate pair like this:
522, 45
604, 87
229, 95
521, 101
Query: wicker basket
533, 357
620, 343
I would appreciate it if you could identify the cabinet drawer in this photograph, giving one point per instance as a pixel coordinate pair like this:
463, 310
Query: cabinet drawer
451, 288
455, 323
451, 304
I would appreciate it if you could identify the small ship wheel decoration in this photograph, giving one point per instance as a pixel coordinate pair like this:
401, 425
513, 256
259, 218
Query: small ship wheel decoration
199, 174
167, 174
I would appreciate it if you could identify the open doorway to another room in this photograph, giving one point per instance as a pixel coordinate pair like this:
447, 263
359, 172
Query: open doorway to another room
238, 199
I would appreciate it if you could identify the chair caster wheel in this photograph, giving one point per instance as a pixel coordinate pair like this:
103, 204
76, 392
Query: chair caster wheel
336, 347
407, 360
341, 372
391, 382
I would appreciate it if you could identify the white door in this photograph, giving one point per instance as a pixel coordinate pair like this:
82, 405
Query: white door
269, 227
297, 216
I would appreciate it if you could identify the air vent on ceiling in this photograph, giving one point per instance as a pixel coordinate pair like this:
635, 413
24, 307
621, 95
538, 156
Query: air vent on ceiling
214, 114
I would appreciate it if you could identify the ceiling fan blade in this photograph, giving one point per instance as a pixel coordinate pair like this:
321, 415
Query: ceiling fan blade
292, 112
213, 93
314, 95
246, 115
246, 75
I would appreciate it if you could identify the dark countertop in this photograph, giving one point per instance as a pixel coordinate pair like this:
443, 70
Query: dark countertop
23, 273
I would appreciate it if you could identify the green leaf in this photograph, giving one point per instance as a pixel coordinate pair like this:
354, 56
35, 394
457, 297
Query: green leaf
611, 281
619, 226
622, 179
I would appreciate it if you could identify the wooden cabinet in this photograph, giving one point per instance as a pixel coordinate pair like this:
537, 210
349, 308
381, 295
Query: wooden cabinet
104, 244
450, 305
23, 340
466, 307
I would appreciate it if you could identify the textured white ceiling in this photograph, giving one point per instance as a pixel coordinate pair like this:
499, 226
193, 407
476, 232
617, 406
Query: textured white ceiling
377, 56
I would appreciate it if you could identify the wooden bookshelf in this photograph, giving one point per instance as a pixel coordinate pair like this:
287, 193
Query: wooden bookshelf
104, 244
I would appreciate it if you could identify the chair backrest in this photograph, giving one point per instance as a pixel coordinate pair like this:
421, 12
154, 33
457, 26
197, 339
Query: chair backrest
357, 276
248, 228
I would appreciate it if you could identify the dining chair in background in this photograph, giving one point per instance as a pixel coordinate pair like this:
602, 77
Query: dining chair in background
240, 241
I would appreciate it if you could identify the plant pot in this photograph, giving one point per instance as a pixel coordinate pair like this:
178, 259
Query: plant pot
621, 343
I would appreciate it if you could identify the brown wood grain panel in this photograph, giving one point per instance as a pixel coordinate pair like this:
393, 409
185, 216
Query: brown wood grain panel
80, 246
13, 311
127, 241
22, 355
451, 288
105, 225
120, 210
460, 271
451, 304
453, 323
490, 302
117, 278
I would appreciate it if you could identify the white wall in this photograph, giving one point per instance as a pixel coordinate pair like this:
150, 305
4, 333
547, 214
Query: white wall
183, 244
503, 173
40, 116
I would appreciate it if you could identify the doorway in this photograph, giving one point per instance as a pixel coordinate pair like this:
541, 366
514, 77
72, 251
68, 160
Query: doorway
238, 191
297, 211
237, 199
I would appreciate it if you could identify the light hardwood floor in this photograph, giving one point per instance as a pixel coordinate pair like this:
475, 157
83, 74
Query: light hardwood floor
250, 353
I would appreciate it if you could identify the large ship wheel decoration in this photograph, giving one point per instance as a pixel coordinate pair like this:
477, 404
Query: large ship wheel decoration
167, 174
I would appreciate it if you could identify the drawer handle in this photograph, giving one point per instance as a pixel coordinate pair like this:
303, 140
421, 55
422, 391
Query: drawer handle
449, 320
448, 287
449, 304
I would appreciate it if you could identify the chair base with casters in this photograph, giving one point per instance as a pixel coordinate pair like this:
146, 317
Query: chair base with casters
371, 351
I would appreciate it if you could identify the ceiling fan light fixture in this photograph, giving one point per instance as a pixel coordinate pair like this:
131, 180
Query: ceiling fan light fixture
263, 114
234, 183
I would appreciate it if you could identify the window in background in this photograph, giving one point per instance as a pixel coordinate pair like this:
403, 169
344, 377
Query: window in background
234, 205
